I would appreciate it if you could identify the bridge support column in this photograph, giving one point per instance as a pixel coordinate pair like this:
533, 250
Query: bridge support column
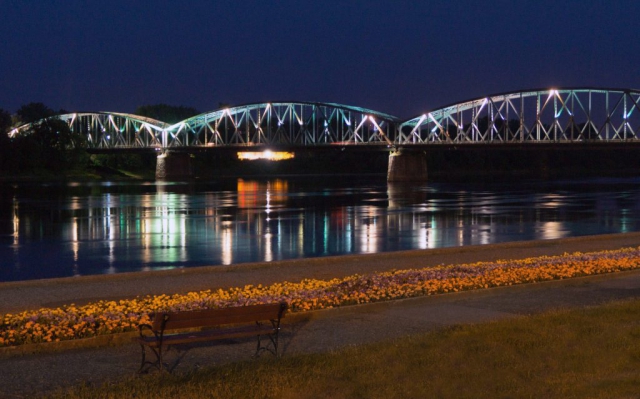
407, 166
173, 165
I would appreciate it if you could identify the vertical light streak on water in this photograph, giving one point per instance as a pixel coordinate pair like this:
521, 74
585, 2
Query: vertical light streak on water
110, 235
460, 233
325, 233
16, 223
485, 234
146, 241
348, 236
227, 246
300, 251
423, 236
268, 255
183, 239
624, 221
74, 239
279, 238
432, 233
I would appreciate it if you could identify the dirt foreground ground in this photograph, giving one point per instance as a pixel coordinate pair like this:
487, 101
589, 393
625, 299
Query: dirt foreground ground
29, 374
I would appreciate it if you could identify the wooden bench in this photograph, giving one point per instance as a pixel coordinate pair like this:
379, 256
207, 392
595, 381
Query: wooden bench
172, 328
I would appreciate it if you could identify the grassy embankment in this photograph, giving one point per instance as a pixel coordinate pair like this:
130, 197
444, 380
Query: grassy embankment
582, 353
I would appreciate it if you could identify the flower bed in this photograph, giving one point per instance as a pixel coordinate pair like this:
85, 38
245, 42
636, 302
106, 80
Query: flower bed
109, 317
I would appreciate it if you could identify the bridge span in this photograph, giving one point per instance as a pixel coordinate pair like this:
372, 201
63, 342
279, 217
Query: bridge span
563, 115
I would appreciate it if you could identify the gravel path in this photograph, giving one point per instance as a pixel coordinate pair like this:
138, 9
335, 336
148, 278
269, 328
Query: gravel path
318, 331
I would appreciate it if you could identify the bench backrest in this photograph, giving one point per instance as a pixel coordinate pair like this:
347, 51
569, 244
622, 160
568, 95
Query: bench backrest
218, 317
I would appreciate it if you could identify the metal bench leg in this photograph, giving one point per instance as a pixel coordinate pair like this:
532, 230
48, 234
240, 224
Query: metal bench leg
159, 354
275, 343
258, 348
273, 338
158, 363
144, 355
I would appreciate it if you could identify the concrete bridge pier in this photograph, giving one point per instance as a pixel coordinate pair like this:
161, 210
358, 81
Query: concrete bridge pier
407, 165
173, 166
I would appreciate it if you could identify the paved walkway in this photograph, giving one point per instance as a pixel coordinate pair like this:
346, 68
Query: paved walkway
316, 331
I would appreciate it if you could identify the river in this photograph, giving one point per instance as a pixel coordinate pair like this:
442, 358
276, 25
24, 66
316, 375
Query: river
70, 229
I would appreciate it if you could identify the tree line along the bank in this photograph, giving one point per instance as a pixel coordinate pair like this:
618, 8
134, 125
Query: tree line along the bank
49, 147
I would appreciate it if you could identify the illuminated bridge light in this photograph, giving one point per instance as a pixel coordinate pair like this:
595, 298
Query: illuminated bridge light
267, 155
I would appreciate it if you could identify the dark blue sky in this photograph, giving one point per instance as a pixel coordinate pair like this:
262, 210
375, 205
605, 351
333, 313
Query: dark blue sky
397, 57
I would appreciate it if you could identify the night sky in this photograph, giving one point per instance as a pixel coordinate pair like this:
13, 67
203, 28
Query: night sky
398, 57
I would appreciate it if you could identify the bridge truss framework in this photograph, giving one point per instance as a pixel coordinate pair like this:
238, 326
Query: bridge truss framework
281, 123
549, 115
284, 123
544, 115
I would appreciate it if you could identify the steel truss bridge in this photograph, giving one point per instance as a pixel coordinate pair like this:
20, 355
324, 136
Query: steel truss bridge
275, 123
533, 116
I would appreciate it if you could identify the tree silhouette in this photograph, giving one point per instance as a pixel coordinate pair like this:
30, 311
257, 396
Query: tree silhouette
34, 112
166, 113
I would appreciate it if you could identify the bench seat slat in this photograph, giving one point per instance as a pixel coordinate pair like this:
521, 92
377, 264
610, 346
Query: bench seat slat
216, 317
173, 324
207, 335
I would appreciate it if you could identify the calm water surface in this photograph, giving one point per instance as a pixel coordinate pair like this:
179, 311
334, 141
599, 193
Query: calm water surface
58, 230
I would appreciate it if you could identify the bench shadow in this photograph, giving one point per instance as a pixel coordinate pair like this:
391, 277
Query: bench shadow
290, 330
179, 351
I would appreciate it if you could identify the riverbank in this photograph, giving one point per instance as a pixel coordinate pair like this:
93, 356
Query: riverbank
24, 295
326, 330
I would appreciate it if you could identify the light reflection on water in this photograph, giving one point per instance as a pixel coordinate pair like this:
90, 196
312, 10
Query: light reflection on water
96, 228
